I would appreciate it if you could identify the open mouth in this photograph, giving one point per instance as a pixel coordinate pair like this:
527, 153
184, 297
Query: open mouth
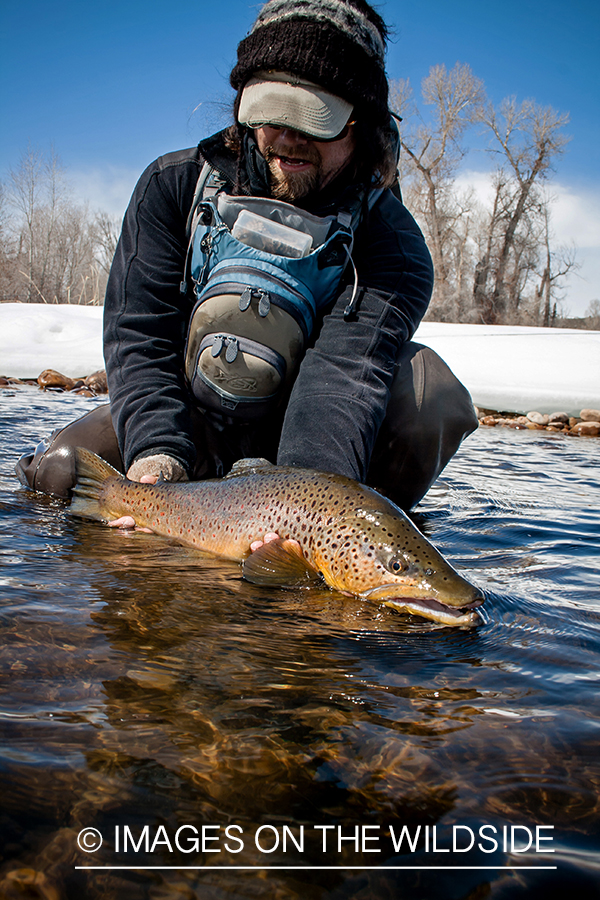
431, 609
293, 164
438, 612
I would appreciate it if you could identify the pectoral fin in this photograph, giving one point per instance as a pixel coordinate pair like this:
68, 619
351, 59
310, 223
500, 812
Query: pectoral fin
280, 563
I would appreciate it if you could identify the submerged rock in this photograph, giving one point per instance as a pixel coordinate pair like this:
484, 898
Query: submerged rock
586, 429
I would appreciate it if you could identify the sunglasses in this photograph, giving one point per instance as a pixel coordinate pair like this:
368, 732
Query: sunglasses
309, 137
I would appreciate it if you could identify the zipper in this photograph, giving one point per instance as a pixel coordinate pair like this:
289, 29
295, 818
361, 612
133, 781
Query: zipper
297, 307
206, 246
281, 290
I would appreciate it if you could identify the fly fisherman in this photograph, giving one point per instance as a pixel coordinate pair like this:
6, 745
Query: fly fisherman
347, 391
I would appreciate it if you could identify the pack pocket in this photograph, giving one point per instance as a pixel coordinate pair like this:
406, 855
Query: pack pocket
242, 369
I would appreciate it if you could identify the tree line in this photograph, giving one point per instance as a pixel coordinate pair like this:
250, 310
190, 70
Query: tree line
495, 262
53, 249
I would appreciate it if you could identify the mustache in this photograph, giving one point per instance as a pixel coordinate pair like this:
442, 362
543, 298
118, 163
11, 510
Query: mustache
306, 154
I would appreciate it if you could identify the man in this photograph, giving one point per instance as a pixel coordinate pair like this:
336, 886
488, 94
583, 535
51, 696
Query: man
312, 127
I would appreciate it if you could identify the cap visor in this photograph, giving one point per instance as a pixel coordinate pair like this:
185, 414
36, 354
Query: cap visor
301, 107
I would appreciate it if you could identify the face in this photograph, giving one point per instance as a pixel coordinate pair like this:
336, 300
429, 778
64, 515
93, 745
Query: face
300, 164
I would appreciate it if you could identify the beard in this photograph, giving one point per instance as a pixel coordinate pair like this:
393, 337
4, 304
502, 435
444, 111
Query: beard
292, 186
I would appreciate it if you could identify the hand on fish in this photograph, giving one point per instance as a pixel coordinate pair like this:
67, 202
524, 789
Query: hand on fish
290, 528
128, 522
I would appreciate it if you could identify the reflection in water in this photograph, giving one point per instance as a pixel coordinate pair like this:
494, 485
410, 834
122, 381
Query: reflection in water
144, 685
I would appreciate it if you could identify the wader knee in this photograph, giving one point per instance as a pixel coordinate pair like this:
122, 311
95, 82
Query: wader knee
51, 468
429, 414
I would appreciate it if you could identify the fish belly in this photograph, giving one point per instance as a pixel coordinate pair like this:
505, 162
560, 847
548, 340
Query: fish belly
203, 515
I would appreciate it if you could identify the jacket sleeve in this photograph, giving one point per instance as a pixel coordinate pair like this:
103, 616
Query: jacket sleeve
341, 393
145, 315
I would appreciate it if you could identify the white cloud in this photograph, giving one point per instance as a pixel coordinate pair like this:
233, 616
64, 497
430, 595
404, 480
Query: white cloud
576, 217
108, 189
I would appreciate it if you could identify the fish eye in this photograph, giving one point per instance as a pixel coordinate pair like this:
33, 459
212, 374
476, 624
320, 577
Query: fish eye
396, 565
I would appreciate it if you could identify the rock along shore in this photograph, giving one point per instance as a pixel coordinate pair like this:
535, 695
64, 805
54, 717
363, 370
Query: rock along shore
50, 380
586, 424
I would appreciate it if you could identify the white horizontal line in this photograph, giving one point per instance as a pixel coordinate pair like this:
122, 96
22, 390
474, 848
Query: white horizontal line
308, 868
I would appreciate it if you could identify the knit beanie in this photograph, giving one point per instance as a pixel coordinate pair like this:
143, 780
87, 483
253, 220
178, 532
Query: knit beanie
338, 44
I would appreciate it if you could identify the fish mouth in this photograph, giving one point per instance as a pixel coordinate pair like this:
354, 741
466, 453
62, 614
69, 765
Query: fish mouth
438, 612
428, 607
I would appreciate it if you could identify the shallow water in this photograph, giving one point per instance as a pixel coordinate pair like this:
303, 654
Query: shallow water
143, 685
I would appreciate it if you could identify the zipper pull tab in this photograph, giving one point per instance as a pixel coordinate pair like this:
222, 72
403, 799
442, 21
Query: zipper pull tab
264, 303
217, 345
232, 349
205, 247
245, 299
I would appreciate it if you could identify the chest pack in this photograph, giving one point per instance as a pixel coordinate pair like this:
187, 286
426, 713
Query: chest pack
261, 270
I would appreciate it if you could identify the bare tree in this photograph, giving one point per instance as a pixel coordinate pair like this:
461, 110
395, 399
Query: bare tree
556, 263
24, 196
435, 152
495, 262
529, 138
592, 314
106, 231
51, 249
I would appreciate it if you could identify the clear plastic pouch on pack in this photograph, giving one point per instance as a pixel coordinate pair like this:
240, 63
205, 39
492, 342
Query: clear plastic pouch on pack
272, 237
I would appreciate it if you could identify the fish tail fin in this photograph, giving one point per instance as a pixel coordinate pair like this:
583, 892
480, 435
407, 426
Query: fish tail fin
92, 472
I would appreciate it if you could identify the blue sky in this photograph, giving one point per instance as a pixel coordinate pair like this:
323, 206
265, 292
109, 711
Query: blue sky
112, 85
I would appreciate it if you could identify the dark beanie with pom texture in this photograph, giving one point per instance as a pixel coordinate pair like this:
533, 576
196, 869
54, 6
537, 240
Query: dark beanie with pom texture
337, 44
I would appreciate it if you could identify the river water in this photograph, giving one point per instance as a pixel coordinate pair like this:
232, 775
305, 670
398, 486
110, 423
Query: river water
254, 743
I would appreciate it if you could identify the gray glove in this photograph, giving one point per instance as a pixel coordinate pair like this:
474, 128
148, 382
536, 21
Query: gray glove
159, 465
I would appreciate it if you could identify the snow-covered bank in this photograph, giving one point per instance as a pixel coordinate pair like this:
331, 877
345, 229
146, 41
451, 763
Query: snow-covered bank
517, 369
38, 336
504, 367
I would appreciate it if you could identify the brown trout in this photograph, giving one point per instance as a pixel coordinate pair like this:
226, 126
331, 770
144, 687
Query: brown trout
330, 529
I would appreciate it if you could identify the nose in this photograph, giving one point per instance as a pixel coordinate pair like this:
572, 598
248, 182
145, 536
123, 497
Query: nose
293, 137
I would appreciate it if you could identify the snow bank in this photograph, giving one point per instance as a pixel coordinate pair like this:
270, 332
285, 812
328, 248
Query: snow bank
517, 369
507, 368
38, 336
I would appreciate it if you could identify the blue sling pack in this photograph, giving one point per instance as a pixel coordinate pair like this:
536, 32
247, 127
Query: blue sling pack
261, 271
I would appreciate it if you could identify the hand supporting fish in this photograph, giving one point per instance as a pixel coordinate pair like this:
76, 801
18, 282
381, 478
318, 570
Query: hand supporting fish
307, 526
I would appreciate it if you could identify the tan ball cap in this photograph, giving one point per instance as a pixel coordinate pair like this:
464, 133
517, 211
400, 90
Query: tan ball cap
278, 98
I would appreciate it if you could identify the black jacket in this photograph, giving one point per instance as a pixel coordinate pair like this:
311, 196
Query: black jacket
341, 392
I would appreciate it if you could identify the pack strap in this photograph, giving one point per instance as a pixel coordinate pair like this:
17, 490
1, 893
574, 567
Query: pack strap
210, 182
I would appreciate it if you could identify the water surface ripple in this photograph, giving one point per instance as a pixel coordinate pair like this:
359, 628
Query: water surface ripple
143, 685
